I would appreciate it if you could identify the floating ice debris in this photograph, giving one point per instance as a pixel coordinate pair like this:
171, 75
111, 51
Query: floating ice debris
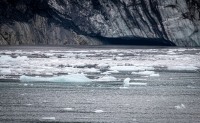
182, 106
110, 72
144, 72
67, 109
123, 88
138, 83
131, 68
66, 78
7, 58
155, 75
101, 66
98, 111
127, 83
48, 118
171, 53
5, 71
190, 86
107, 78
25, 84
114, 71
140, 79
4, 58
91, 70
106, 73
189, 68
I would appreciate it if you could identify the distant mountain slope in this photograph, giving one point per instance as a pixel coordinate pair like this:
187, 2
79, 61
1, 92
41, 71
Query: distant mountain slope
93, 22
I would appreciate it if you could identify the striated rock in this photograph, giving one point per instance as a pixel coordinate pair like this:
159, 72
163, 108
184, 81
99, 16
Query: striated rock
96, 22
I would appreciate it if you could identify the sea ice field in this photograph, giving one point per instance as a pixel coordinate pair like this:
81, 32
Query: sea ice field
99, 84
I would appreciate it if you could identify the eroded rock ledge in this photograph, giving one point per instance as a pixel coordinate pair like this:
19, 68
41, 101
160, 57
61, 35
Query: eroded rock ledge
60, 22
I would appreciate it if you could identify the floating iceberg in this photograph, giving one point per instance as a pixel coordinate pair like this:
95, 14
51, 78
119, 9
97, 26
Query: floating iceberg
67, 78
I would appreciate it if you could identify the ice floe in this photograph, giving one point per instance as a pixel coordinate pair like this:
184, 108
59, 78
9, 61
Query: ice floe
8, 58
5, 71
127, 83
48, 118
144, 72
132, 68
187, 68
98, 111
68, 109
107, 78
155, 75
67, 78
91, 70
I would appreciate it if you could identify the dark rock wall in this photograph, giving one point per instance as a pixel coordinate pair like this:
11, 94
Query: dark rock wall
82, 21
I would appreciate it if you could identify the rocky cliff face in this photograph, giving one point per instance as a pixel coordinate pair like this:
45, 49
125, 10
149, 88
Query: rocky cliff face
97, 21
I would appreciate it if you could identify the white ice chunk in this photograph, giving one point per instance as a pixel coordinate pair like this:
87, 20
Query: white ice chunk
107, 78
138, 84
91, 70
5, 71
7, 58
4, 58
189, 68
131, 68
140, 79
29, 104
182, 106
171, 53
155, 75
113, 71
144, 72
127, 83
68, 109
101, 66
22, 58
48, 118
98, 111
110, 72
66, 78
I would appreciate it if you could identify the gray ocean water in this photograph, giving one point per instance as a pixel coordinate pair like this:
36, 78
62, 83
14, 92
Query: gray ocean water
42, 84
